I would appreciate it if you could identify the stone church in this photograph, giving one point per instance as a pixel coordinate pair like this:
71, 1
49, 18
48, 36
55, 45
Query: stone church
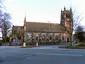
33, 32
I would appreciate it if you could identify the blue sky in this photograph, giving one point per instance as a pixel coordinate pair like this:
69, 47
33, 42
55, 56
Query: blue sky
41, 10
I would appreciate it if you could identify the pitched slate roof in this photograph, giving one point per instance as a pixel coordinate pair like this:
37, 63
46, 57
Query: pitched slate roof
43, 27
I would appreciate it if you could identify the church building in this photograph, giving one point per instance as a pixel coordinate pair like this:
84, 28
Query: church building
33, 32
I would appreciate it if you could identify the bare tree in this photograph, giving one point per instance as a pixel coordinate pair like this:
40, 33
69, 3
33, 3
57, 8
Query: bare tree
75, 20
5, 23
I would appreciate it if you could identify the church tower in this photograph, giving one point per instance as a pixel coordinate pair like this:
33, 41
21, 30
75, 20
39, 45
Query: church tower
66, 21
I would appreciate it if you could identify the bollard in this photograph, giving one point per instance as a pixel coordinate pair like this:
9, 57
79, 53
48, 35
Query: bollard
24, 44
37, 44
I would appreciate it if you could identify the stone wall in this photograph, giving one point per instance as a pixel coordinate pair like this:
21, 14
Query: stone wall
44, 37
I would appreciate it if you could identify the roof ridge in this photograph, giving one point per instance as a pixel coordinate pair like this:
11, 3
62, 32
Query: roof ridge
42, 22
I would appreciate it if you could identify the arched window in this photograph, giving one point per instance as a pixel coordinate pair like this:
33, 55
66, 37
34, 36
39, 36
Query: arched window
56, 37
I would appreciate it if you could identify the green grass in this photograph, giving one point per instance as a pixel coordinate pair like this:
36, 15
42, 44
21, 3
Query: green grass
74, 47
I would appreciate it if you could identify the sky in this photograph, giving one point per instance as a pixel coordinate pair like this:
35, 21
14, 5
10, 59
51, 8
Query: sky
42, 10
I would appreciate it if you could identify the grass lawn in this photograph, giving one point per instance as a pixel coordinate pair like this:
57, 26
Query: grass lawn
74, 47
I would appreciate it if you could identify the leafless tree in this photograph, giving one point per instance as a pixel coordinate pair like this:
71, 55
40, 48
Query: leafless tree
75, 20
5, 23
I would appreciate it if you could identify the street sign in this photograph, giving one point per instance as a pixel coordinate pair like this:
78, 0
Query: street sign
15, 41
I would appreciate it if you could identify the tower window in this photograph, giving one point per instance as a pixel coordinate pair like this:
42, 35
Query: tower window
67, 15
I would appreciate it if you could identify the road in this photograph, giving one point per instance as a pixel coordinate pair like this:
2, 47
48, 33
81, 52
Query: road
41, 55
